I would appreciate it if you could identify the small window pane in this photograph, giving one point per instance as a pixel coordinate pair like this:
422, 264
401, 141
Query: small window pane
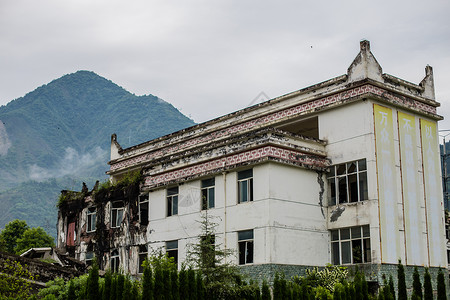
249, 253
345, 234
346, 253
243, 191
335, 253
332, 185
332, 172
366, 231
245, 174
211, 197
341, 169
367, 254
343, 190
208, 182
351, 167
362, 165
363, 186
175, 205
356, 232
171, 245
357, 251
245, 235
172, 191
334, 235
353, 188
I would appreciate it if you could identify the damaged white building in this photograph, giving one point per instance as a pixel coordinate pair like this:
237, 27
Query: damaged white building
346, 171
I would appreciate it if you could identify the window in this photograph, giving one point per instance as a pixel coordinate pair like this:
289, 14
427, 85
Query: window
143, 209
172, 201
142, 257
172, 250
208, 193
348, 182
89, 258
350, 245
91, 215
245, 186
116, 214
115, 261
245, 241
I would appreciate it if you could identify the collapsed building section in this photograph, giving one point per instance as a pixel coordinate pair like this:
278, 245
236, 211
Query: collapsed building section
342, 172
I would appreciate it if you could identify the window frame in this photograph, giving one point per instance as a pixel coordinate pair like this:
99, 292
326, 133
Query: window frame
89, 258
172, 250
91, 219
246, 242
145, 201
114, 261
348, 183
245, 179
207, 193
172, 195
142, 256
349, 237
116, 214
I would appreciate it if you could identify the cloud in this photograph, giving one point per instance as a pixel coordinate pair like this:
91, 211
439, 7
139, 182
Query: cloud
72, 163
5, 143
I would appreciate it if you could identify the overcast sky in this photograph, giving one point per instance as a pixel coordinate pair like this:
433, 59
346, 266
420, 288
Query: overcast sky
210, 58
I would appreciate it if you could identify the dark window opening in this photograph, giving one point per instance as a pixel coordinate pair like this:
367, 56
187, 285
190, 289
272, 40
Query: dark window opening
350, 245
172, 201
245, 186
143, 209
172, 250
207, 191
306, 128
143, 251
245, 243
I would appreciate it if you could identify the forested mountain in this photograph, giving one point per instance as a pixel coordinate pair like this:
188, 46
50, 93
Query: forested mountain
58, 135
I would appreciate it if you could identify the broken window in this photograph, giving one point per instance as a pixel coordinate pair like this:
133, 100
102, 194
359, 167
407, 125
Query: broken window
115, 261
347, 182
350, 245
172, 250
91, 219
172, 201
306, 127
143, 250
116, 214
143, 209
245, 243
208, 193
245, 186
89, 258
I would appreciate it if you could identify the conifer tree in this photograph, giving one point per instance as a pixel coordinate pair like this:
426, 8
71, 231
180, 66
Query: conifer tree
119, 286
183, 289
265, 291
192, 284
427, 287
167, 284
92, 289
391, 286
106, 293
441, 292
147, 282
200, 287
401, 281
417, 286
127, 286
357, 283
365, 288
113, 295
174, 284
277, 292
135, 291
158, 289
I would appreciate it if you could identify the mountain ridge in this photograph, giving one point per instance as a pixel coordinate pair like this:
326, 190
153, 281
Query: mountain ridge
63, 128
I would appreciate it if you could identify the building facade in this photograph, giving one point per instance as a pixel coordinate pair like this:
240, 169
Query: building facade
345, 172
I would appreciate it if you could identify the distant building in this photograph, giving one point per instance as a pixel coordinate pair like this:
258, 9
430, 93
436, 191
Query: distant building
344, 172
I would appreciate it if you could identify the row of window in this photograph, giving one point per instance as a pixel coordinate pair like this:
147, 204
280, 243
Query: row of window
348, 246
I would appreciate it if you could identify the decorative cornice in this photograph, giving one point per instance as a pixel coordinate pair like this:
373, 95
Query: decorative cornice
229, 162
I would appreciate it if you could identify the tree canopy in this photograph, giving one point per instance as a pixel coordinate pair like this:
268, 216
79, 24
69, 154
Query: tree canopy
17, 237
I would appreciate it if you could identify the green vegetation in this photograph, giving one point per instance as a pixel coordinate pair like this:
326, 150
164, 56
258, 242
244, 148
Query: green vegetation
417, 286
19, 237
402, 293
15, 281
427, 287
441, 293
